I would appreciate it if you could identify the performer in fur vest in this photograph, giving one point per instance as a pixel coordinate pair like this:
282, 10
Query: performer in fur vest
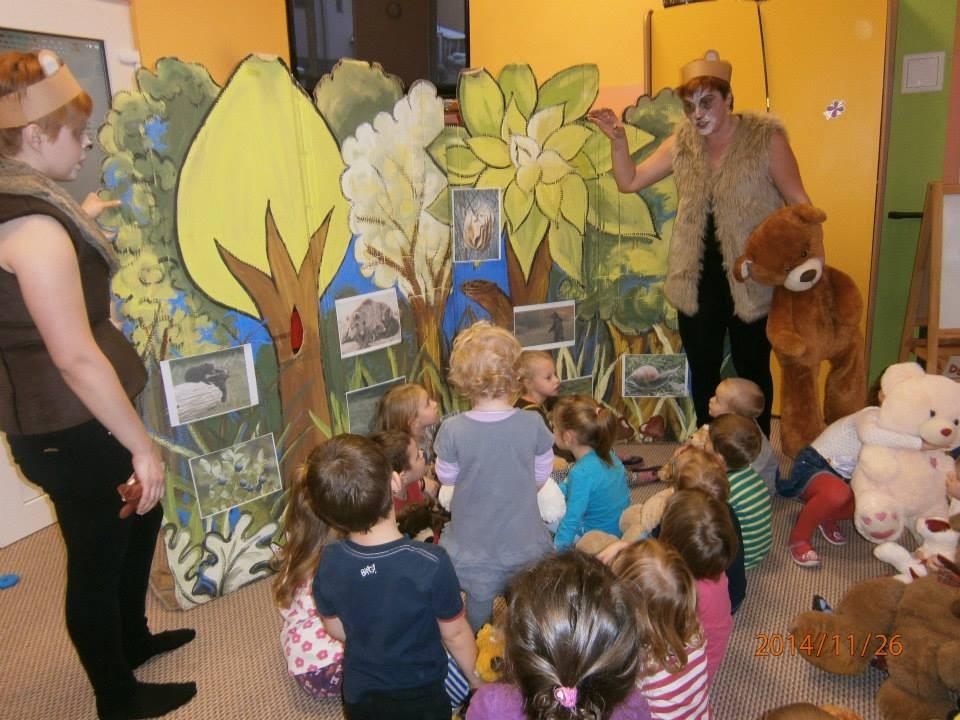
731, 171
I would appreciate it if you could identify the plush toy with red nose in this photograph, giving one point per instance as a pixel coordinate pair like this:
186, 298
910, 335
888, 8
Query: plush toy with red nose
894, 487
814, 316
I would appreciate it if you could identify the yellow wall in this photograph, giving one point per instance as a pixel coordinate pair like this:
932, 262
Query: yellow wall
817, 51
216, 33
551, 35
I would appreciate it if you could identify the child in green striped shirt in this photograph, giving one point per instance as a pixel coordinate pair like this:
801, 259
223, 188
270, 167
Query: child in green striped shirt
737, 440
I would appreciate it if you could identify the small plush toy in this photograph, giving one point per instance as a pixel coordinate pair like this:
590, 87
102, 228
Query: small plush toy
940, 537
490, 645
636, 522
915, 627
806, 711
893, 487
814, 316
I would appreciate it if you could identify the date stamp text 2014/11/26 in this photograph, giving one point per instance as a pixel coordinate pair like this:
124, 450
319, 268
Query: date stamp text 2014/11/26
820, 644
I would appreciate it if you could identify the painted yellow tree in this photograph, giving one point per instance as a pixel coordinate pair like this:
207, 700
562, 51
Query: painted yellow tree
263, 227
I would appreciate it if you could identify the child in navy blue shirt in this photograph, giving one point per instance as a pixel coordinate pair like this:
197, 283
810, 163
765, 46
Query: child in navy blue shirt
596, 488
394, 602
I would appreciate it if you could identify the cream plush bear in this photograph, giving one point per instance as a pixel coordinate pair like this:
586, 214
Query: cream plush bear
894, 487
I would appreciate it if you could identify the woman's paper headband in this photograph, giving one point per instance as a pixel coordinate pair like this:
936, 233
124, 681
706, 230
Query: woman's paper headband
38, 100
710, 65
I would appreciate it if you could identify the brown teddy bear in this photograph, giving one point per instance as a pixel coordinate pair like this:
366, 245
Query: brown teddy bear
814, 316
914, 627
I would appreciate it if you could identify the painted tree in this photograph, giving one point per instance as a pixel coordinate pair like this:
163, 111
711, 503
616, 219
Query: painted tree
391, 184
263, 227
145, 136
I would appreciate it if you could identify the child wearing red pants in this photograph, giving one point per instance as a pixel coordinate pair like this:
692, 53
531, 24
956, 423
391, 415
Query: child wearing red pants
821, 479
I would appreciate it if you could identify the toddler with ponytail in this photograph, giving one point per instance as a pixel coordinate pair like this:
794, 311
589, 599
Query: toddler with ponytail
571, 647
596, 488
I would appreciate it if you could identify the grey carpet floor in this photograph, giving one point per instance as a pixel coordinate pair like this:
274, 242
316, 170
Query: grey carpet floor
237, 663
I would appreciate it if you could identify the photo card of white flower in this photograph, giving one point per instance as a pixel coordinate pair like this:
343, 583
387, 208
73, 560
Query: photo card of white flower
582, 385
476, 214
362, 405
655, 375
236, 475
368, 322
545, 326
209, 384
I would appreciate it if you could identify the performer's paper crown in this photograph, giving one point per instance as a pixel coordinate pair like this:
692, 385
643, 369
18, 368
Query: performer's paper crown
43, 97
710, 65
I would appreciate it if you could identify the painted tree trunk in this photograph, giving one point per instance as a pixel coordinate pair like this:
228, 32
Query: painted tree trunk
428, 321
531, 290
288, 301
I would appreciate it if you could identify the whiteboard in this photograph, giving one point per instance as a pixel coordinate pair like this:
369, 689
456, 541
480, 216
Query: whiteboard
88, 63
950, 258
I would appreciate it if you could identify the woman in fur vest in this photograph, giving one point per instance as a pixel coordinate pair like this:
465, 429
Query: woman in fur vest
67, 377
731, 171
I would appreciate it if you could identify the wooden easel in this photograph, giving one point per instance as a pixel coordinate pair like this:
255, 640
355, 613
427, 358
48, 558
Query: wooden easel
924, 334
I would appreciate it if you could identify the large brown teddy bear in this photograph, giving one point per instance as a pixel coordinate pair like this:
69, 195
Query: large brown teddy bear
814, 316
915, 627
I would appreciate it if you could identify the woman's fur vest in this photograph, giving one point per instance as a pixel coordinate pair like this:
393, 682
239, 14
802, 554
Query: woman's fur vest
740, 193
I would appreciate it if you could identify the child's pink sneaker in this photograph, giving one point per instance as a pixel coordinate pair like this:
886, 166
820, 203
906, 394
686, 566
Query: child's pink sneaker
831, 533
804, 555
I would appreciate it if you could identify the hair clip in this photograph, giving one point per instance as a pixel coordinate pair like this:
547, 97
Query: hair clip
566, 696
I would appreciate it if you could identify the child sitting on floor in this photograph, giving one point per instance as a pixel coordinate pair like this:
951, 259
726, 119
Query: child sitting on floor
596, 487
704, 471
410, 408
498, 457
538, 383
375, 584
737, 440
698, 527
571, 646
820, 477
744, 397
673, 673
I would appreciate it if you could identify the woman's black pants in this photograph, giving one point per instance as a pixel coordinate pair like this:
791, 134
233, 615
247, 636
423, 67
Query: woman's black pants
108, 559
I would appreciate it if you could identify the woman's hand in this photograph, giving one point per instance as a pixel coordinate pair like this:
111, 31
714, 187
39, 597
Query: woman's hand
609, 123
93, 205
148, 469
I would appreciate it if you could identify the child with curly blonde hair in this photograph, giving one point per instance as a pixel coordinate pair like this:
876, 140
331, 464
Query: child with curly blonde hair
673, 672
498, 457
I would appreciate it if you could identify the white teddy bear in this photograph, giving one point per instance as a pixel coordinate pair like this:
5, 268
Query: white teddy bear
939, 540
894, 487
550, 500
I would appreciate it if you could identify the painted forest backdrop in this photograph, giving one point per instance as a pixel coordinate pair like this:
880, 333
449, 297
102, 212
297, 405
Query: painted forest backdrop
249, 210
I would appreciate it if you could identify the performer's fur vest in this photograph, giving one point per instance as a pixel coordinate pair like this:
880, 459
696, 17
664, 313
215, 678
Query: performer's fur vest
740, 193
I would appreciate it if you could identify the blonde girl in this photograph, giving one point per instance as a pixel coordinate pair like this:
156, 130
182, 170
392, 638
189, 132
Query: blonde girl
673, 672
596, 487
538, 382
497, 457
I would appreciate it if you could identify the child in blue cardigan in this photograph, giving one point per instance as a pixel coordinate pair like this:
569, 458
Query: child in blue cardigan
596, 488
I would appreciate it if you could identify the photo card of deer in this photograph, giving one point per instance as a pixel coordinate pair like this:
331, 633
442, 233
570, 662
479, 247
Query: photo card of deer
227, 478
210, 384
545, 326
655, 375
368, 322
476, 224
362, 405
582, 385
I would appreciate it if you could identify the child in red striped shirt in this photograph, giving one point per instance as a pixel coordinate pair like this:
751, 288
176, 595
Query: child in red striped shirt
673, 676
